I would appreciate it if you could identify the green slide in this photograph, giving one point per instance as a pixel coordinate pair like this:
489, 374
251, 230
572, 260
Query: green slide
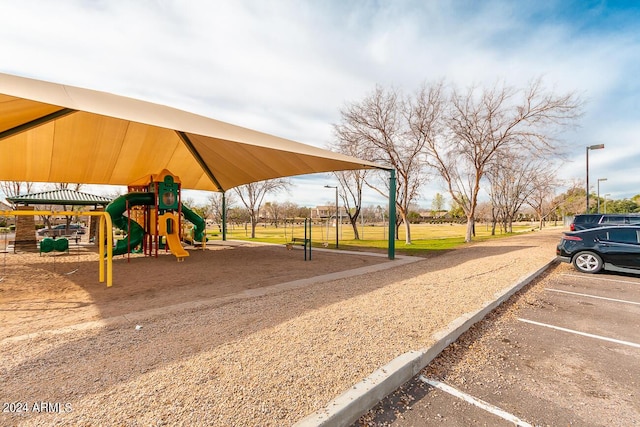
198, 222
117, 208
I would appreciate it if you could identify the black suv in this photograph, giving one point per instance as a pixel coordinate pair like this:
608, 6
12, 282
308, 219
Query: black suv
583, 222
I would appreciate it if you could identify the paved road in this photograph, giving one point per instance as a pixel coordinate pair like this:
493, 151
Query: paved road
564, 352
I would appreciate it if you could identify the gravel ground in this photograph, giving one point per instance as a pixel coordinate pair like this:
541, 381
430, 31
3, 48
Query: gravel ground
265, 360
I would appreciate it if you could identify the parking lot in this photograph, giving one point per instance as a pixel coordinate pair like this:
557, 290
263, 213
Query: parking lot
565, 351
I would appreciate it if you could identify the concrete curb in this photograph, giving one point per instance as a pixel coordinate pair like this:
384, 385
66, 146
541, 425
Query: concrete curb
345, 409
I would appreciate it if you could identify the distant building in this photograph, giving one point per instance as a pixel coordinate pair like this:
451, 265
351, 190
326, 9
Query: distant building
324, 212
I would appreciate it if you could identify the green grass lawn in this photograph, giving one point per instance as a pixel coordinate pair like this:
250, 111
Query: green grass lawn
425, 237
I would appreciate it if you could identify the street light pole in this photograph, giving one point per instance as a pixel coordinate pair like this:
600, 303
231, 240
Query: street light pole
599, 180
590, 147
336, 187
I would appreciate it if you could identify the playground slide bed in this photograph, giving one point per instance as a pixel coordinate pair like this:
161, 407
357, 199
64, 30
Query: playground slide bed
236, 360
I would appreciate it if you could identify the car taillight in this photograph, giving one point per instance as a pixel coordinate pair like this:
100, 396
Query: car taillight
572, 227
575, 238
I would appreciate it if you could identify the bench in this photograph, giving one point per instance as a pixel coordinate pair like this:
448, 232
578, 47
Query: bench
297, 241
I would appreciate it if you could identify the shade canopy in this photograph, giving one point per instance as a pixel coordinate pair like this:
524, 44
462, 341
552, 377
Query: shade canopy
57, 133
60, 197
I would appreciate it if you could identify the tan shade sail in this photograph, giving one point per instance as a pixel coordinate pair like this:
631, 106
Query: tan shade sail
56, 133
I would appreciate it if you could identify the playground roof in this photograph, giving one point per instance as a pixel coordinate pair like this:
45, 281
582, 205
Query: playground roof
60, 197
51, 132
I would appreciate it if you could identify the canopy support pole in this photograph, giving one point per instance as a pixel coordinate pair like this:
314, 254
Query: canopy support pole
35, 123
391, 248
199, 158
224, 216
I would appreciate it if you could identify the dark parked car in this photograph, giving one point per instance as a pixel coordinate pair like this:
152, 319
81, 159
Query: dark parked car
61, 230
612, 248
583, 222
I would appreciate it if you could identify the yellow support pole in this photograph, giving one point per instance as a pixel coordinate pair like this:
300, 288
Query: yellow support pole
105, 227
101, 248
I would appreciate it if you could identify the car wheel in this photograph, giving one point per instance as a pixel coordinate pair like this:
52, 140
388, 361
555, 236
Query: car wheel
587, 262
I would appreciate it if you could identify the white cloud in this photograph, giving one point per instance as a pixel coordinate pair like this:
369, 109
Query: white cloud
287, 67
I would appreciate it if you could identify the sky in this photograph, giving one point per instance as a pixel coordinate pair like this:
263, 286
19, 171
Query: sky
287, 67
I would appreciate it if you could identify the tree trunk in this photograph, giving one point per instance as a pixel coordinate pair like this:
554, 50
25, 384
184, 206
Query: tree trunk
354, 224
403, 216
407, 230
494, 220
470, 228
254, 222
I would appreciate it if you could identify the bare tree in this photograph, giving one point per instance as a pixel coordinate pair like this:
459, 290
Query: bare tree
215, 201
68, 186
237, 216
351, 182
291, 210
437, 204
513, 179
351, 185
202, 210
542, 198
275, 211
252, 196
73, 187
483, 122
16, 188
484, 211
369, 214
381, 123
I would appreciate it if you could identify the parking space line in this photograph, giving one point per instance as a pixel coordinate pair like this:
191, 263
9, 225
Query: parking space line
477, 402
582, 276
584, 334
593, 296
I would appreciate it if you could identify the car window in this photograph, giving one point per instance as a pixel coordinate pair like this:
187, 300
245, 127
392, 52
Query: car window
583, 219
602, 235
613, 220
623, 236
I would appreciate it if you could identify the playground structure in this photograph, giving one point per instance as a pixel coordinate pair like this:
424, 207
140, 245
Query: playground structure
153, 219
